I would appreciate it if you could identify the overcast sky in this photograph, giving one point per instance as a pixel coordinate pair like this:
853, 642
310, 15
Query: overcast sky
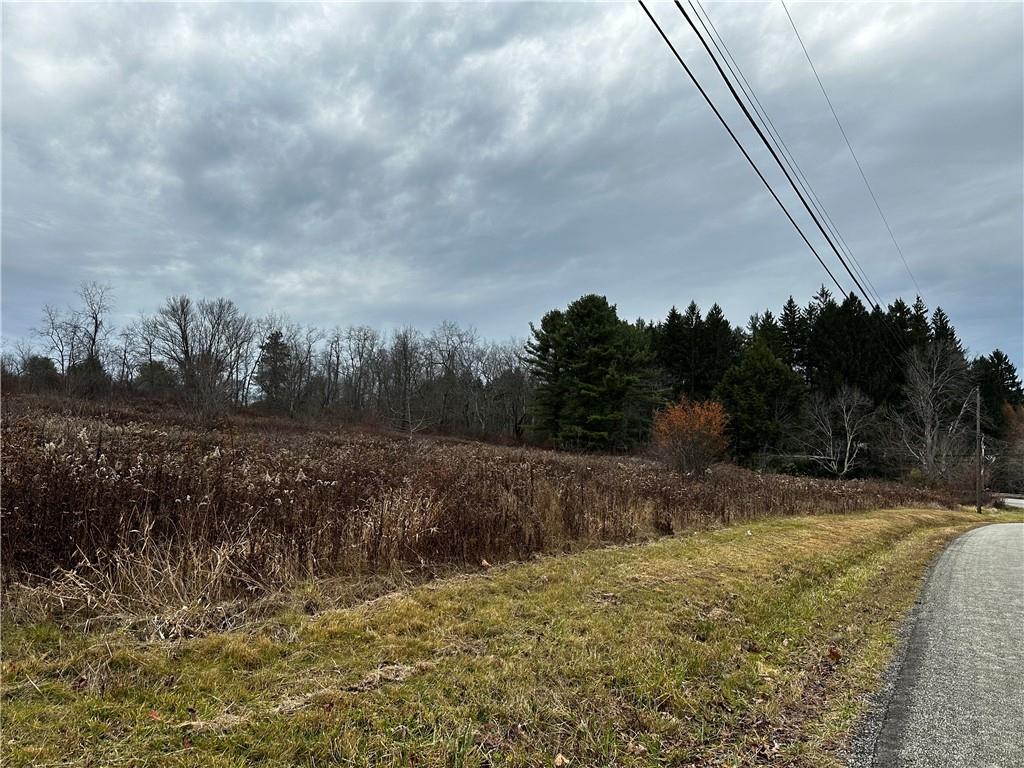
391, 164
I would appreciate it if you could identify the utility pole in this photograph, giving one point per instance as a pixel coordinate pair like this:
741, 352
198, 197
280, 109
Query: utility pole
977, 448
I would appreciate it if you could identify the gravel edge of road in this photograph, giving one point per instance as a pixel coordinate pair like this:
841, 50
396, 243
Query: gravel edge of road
863, 745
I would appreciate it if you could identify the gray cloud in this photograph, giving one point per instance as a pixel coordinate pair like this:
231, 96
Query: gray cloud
392, 164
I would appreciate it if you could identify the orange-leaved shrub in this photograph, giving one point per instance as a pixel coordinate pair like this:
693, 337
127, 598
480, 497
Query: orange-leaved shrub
690, 434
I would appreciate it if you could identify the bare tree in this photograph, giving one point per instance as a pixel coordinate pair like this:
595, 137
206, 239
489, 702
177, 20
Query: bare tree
302, 342
406, 368
23, 352
204, 341
145, 334
221, 332
262, 328
96, 305
330, 368
930, 427
62, 332
125, 359
447, 352
361, 347
502, 390
834, 428
173, 328
241, 351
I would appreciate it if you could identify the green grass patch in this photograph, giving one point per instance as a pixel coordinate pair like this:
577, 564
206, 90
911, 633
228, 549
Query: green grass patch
729, 647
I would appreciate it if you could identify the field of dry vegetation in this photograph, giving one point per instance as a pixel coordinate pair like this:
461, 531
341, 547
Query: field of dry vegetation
129, 510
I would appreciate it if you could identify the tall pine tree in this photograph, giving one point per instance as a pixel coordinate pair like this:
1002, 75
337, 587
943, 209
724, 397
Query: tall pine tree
272, 371
941, 330
919, 330
594, 377
718, 348
793, 327
672, 351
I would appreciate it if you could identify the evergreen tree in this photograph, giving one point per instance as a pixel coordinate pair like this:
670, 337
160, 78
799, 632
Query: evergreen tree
88, 378
672, 352
855, 347
273, 369
546, 358
595, 372
793, 328
677, 350
841, 348
718, 349
823, 330
155, 377
942, 330
763, 397
640, 395
39, 374
1006, 375
919, 330
767, 328
693, 330
883, 346
996, 378
899, 317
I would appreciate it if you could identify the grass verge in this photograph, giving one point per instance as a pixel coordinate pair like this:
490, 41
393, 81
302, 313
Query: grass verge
738, 646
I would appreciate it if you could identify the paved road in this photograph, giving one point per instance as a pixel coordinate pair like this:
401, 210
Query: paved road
1013, 501
957, 698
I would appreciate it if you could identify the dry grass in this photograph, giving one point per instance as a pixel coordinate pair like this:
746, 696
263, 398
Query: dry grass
117, 513
736, 647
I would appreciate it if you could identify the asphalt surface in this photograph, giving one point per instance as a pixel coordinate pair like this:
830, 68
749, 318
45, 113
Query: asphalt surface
955, 697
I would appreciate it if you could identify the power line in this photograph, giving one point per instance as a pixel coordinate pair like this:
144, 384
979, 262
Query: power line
849, 146
900, 345
774, 154
725, 125
771, 149
737, 72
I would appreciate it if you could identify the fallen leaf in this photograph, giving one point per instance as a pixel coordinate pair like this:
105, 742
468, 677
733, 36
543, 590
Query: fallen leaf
485, 564
561, 760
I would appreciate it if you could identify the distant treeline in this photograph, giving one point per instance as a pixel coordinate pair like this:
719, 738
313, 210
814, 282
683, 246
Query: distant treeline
211, 356
831, 386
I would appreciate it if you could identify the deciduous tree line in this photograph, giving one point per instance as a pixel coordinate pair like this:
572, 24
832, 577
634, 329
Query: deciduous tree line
214, 357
